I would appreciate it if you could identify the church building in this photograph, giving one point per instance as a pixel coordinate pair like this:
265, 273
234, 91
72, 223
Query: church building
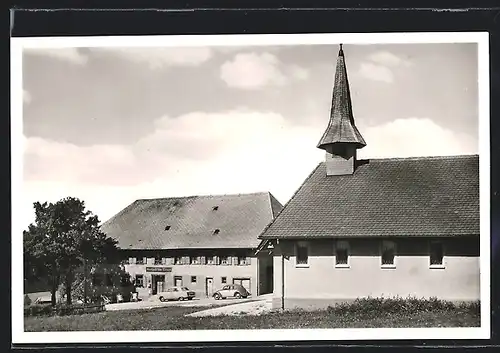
379, 227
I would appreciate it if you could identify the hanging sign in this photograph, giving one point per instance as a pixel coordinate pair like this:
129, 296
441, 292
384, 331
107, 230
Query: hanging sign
158, 269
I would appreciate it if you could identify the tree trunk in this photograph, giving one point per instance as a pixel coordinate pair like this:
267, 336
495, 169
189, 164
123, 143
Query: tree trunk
53, 290
68, 284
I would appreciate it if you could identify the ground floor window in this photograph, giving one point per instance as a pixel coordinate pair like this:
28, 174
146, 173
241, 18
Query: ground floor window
342, 253
388, 253
96, 280
302, 254
178, 281
139, 281
436, 254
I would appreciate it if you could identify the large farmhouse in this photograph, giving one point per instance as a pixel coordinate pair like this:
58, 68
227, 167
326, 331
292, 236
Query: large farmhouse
378, 227
201, 242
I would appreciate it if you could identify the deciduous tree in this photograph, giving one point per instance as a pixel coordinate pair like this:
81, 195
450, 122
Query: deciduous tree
64, 237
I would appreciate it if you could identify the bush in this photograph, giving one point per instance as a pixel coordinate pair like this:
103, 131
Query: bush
62, 309
27, 300
38, 310
372, 307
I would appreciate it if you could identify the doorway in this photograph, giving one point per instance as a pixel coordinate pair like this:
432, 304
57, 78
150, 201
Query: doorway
158, 283
269, 279
178, 281
209, 286
245, 282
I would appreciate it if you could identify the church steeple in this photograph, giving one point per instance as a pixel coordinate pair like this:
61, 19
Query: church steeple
341, 138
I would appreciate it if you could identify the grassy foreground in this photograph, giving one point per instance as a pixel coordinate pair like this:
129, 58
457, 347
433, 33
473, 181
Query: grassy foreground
364, 315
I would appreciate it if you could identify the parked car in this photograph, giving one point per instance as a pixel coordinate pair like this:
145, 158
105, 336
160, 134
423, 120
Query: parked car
176, 293
231, 290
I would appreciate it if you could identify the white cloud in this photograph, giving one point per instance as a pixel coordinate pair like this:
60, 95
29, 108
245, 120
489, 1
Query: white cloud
198, 153
298, 72
376, 72
388, 58
26, 97
71, 55
253, 71
414, 137
158, 58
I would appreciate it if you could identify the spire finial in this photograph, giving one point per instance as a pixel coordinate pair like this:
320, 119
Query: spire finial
341, 52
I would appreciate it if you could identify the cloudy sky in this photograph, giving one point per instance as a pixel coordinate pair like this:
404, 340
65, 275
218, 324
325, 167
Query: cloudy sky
113, 125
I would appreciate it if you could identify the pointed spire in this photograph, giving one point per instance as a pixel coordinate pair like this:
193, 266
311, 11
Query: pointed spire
341, 128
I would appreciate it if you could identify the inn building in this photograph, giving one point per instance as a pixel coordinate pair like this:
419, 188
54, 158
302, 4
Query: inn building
200, 242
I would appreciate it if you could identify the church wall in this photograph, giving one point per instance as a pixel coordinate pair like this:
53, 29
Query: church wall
320, 283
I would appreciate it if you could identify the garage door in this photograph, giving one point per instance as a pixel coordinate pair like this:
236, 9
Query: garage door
245, 282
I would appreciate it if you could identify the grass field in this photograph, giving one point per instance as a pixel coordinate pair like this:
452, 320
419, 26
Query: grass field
172, 318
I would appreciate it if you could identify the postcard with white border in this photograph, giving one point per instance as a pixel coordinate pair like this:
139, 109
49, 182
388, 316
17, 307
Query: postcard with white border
221, 188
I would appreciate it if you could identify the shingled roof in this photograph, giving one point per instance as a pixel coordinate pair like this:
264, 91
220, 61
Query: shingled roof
191, 222
425, 196
341, 127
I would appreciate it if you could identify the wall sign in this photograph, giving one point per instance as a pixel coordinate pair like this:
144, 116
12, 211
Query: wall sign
158, 269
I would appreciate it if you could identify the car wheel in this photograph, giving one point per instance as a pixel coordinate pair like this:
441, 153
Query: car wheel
162, 299
180, 299
216, 296
237, 295
190, 298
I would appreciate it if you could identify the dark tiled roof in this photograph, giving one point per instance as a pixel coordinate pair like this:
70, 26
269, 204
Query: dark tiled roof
386, 197
341, 127
193, 220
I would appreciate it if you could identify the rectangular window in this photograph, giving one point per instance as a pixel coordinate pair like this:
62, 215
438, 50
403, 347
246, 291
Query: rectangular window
131, 260
178, 260
109, 279
158, 260
224, 260
193, 279
210, 260
342, 254
302, 254
96, 280
242, 260
388, 253
194, 260
139, 281
223, 280
436, 254
141, 261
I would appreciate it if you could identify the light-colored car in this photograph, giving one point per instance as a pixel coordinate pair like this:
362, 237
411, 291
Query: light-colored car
231, 290
176, 293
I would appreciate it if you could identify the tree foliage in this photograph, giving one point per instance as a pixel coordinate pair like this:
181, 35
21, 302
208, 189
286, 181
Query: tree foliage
64, 237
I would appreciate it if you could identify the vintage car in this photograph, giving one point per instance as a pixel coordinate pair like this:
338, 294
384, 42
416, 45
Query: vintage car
233, 291
176, 293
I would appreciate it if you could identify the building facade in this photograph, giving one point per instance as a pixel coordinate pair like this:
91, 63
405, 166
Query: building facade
199, 242
379, 227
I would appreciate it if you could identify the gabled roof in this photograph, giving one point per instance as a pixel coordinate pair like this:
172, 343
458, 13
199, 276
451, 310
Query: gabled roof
341, 127
192, 222
425, 196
